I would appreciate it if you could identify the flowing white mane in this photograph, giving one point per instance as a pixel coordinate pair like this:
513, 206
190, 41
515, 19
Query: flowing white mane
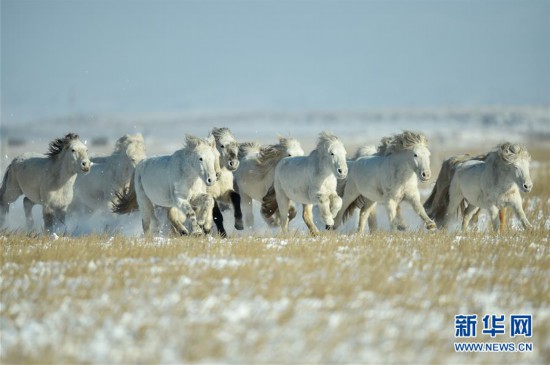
400, 142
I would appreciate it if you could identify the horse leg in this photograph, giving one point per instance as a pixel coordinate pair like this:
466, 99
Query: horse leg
469, 212
399, 217
335, 204
414, 200
326, 213
502, 217
518, 209
373, 222
203, 204
307, 215
475, 218
350, 195
291, 211
218, 220
246, 205
391, 207
185, 206
49, 218
27, 206
236, 200
283, 202
9, 192
367, 211
493, 211
455, 199
177, 219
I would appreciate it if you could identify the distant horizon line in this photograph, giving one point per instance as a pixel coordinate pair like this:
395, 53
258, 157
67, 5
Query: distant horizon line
409, 110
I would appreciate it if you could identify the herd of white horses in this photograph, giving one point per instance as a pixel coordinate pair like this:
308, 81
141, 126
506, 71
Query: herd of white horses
191, 187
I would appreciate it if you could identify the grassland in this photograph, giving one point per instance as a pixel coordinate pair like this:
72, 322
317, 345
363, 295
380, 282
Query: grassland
336, 298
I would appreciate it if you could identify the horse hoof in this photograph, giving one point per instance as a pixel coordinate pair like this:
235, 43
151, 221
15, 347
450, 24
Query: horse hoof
401, 228
183, 233
239, 225
431, 226
223, 234
329, 227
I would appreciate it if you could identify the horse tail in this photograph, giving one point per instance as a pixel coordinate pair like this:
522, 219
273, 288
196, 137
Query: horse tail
125, 201
357, 203
438, 201
269, 203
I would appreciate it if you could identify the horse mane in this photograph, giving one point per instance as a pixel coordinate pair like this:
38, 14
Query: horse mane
219, 132
326, 138
400, 142
368, 150
270, 156
246, 147
192, 142
57, 145
127, 140
511, 153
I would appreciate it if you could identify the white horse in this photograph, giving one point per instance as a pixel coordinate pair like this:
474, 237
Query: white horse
438, 202
109, 174
310, 180
222, 191
45, 180
364, 151
178, 182
257, 170
389, 176
491, 184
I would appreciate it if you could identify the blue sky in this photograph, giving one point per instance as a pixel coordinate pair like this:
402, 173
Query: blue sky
122, 56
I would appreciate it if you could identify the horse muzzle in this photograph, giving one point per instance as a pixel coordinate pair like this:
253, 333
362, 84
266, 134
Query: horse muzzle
233, 165
209, 181
526, 188
341, 173
424, 176
85, 167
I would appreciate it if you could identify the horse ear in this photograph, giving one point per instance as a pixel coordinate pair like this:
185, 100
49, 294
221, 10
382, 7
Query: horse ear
211, 141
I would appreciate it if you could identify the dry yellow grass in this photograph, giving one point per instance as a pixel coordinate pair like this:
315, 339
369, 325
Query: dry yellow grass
336, 298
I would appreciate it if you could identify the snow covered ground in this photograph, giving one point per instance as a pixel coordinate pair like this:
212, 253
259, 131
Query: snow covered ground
259, 297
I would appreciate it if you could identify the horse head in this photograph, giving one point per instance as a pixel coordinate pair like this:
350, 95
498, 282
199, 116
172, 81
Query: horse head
517, 159
332, 149
420, 155
73, 150
414, 147
204, 158
227, 146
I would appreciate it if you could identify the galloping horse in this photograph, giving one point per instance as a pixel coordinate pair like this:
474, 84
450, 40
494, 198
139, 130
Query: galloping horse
174, 182
46, 180
257, 170
389, 176
309, 180
491, 184
110, 174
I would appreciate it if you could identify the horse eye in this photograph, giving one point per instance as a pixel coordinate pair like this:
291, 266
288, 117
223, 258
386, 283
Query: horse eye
415, 155
73, 150
222, 146
200, 159
289, 155
332, 153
